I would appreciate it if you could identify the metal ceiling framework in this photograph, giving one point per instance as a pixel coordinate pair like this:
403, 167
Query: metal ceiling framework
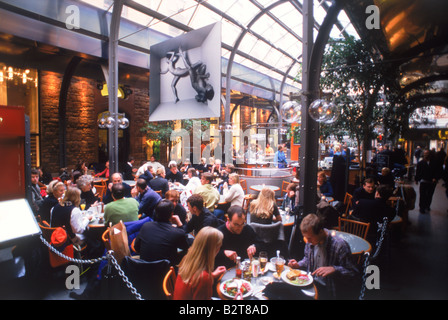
414, 36
113, 65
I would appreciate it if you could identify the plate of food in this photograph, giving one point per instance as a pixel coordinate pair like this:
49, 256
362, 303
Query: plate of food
297, 277
229, 288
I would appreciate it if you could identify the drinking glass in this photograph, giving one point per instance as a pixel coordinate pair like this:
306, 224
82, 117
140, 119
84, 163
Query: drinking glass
263, 258
279, 263
83, 205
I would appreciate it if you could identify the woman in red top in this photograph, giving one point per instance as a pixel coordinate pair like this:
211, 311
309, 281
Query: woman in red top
196, 276
105, 172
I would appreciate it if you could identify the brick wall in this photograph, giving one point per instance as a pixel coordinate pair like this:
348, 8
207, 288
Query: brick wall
84, 103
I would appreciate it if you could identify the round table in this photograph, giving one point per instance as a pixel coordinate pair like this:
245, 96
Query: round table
259, 187
357, 244
258, 286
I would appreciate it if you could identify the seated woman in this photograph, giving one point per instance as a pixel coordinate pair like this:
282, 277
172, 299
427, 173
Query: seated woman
67, 214
84, 183
196, 270
193, 183
105, 172
55, 191
264, 209
289, 199
233, 196
324, 185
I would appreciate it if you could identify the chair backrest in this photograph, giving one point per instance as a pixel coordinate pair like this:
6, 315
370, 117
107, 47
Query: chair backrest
243, 184
146, 276
105, 238
269, 233
168, 283
285, 185
47, 231
348, 202
354, 227
100, 191
159, 192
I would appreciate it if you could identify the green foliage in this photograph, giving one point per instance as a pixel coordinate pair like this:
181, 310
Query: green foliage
360, 83
162, 130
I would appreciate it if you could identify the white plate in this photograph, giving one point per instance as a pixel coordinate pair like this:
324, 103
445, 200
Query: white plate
294, 283
270, 266
227, 282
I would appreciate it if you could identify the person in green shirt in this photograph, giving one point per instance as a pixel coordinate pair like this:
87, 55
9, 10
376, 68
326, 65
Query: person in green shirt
208, 192
124, 209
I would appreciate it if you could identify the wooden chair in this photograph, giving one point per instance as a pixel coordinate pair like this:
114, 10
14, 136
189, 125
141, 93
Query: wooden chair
168, 283
348, 202
283, 192
105, 238
354, 227
243, 184
100, 191
159, 192
55, 260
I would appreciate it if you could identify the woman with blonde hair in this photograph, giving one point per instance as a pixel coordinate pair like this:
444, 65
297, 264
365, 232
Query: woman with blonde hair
195, 277
55, 191
68, 215
264, 209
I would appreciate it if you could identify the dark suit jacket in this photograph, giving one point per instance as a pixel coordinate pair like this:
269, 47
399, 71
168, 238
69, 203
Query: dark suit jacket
159, 183
160, 240
108, 196
373, 211
127, 172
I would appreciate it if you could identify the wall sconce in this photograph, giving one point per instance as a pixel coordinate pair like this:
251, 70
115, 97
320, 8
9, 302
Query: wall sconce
123, 92
107, 121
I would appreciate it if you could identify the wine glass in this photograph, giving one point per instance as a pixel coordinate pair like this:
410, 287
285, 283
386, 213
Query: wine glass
287, 209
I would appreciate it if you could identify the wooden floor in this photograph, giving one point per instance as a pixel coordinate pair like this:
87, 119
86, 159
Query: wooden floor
416, 270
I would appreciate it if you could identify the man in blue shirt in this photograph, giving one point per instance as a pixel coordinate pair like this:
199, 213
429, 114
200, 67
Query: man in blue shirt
280, 158
146, 197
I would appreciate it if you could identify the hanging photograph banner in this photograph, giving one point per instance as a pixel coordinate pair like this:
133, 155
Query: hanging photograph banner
185, 77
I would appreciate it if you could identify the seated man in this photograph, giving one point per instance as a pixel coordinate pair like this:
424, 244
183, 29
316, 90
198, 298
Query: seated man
158, 239
201, 217
208, 192
374, 210
147, 174
124, 209
174, 175
116, 178
36, 197
367, 191
146, 198
240, 240
159, 183
179, 210
329, 260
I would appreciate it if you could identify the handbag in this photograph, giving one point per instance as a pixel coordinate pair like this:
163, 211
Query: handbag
119, 242
61, 242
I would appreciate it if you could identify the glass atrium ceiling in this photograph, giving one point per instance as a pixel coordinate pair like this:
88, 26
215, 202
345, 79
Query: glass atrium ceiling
271, 47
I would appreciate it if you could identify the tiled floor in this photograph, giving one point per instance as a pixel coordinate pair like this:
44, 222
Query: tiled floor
417, 269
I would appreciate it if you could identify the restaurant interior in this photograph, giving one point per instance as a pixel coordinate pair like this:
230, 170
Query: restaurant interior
96, 80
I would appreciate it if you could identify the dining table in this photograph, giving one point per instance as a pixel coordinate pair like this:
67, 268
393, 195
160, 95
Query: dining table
357, 244
259, 187
259, 286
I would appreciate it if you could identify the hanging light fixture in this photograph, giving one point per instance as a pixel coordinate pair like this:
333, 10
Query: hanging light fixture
291, 111
324, 111
107, 121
